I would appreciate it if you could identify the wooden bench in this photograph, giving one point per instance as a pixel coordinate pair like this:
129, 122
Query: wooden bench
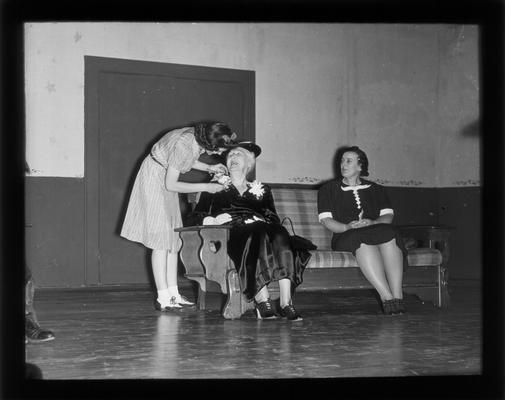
204, 256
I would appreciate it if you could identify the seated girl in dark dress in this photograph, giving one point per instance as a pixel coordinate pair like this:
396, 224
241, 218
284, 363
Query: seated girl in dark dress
259, 245
359, 214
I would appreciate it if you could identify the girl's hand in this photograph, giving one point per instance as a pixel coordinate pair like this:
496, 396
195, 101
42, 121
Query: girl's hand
359, 224
217, 169
366, 222
353, 225
214, 187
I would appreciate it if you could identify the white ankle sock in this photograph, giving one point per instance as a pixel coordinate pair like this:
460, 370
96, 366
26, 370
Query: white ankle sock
173, 291
163, 297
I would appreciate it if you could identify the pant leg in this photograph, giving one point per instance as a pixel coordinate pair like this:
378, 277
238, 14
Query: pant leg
29, 294
28, 274
33, 332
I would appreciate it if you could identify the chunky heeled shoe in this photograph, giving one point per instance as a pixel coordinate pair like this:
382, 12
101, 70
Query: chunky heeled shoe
290, 313
265, 310
172, 305
399, 306
183, 301
388, 307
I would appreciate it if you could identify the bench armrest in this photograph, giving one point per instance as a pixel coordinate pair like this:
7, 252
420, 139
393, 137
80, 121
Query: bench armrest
198, 228
432, 236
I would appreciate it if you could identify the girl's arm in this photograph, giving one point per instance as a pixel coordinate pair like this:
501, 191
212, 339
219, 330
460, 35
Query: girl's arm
335, 226
172, 184
201, 166
383, 219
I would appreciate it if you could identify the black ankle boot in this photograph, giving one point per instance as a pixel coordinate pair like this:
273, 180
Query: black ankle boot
34, 333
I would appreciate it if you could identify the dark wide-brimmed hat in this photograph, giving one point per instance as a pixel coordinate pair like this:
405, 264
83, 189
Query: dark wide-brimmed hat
252, 147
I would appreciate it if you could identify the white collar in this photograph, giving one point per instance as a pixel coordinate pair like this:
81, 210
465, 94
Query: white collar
354, 188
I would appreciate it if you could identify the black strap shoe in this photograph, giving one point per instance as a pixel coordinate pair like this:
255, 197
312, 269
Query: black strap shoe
388, 307
290, 313
399, 306
265, 310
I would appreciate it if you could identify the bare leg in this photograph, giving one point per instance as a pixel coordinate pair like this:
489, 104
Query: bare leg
265, 310
370, 261
393, 266
159, 264
171, 279
287, 309
171, 268
262, 295
285, 292
164, 274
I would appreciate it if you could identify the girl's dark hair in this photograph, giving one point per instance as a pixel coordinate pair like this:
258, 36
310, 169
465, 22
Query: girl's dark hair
212, 135
362, 158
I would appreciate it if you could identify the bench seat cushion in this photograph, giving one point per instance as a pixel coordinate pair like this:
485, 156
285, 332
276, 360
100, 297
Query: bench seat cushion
340, 259
331, 259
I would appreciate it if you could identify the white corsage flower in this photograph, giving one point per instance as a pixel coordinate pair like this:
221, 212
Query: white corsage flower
222, 179
253, 219
257, 189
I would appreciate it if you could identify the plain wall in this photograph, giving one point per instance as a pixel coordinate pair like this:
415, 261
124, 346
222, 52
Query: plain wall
404, 93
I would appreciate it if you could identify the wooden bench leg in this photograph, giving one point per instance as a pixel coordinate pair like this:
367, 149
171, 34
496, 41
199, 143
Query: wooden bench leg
201, 304
445, 300
439, 296
444, 292
233, 307
425, 294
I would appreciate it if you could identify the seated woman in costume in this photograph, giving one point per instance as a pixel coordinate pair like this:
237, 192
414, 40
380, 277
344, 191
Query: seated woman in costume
259, 245
359, 214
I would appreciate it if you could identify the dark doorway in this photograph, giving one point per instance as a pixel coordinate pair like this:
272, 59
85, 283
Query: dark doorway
128, 106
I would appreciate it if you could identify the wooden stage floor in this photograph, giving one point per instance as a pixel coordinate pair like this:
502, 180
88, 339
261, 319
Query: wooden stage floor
117, 334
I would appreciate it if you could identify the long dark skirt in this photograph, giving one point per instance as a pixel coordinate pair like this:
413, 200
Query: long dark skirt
376, 234
262, 253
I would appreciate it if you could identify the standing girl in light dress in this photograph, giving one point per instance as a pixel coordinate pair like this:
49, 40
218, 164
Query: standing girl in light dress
153, 209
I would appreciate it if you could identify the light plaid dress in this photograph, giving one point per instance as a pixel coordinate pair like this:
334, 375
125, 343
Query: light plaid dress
153, 211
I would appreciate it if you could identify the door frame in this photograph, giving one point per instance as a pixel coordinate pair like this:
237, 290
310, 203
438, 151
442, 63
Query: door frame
93, 67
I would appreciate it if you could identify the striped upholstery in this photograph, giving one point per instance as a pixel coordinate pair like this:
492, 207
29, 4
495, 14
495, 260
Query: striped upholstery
301, 206
342, 259
331, 259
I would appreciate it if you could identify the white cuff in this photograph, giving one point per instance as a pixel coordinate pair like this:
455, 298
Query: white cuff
385, 211
253, 219
326, 214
